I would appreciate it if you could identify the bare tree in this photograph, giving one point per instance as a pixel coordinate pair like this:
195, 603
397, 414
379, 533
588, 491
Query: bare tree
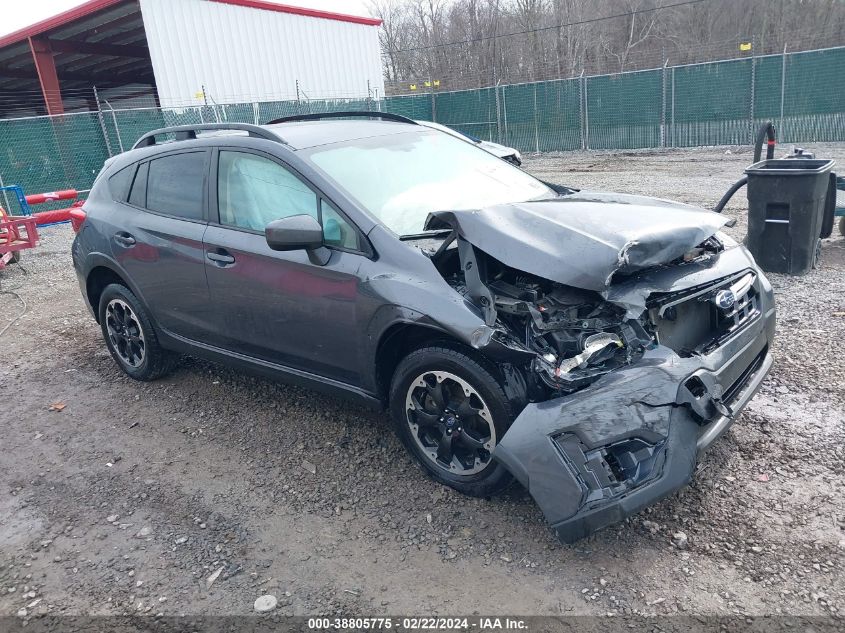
476, 43
390, 12
636, 29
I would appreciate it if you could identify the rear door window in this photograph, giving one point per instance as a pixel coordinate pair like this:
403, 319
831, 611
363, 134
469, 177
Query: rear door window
176, 184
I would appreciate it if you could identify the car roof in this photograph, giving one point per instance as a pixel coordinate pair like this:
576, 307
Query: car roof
306, 134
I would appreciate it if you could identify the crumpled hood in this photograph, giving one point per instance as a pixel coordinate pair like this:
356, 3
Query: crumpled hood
584, 238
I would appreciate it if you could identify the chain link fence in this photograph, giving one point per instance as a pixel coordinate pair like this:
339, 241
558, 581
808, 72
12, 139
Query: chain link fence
714, 103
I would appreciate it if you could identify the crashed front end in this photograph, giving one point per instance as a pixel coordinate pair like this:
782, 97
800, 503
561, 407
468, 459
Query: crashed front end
630, 370
595, 456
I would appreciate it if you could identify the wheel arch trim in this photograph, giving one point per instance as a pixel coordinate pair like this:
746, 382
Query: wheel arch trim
382, 330
98, 260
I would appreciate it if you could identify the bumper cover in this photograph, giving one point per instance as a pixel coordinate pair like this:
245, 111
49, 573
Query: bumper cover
597, 456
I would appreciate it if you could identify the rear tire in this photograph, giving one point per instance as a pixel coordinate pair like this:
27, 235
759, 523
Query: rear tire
130, 337
450, 411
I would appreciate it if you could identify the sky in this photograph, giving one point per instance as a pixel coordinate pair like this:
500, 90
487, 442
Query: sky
22, 14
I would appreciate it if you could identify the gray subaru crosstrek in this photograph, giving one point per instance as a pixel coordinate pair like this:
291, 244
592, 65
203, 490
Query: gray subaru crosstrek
589, 345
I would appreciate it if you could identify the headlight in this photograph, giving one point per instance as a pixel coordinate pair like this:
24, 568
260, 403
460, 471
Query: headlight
726, 240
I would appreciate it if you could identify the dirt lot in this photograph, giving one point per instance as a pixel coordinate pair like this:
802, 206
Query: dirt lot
133, 495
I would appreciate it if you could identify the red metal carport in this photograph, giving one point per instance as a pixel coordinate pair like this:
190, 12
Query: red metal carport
53, 66
50, 67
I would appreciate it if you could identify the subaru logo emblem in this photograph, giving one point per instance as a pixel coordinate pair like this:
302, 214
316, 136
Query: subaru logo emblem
725, 299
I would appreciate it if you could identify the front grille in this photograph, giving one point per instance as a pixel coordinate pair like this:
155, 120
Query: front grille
745, 309
700, 319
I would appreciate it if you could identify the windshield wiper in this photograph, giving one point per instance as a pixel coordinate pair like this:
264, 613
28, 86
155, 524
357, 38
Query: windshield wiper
425, 234
561, 190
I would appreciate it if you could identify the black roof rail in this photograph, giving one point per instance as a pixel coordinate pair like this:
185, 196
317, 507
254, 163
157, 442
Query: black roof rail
385, 116
186, 132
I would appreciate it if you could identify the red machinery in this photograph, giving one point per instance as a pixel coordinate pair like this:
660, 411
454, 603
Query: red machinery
18, 233
43, 218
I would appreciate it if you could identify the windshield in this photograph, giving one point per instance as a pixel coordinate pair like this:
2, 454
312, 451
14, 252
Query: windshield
402, 178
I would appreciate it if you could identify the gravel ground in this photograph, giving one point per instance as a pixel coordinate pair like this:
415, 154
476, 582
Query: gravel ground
203, 491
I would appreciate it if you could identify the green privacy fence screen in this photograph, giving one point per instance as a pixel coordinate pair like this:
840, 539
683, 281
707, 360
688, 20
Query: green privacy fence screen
718, 103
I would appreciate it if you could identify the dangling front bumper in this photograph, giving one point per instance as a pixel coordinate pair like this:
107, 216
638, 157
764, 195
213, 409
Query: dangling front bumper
595, 457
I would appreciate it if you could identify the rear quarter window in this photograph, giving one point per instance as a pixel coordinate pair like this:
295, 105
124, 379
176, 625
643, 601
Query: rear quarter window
120, 183
138, 193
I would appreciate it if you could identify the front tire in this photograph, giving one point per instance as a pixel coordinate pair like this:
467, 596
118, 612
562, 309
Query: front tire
450, 412
130, 336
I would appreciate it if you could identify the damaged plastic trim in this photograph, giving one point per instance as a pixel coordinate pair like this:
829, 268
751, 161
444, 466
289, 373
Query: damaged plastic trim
672, 408
476, 288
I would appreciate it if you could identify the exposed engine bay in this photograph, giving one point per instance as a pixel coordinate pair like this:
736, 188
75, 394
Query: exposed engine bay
576, 336
559, 279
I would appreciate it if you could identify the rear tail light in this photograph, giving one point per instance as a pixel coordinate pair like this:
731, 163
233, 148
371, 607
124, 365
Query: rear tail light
77, 217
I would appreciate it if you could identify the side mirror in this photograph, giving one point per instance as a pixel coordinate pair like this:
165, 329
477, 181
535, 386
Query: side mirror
294, 233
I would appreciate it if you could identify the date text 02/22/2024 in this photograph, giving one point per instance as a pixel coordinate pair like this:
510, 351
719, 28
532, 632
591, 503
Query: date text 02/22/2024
477, 623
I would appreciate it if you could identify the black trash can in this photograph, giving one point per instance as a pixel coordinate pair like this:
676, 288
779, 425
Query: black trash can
786, 204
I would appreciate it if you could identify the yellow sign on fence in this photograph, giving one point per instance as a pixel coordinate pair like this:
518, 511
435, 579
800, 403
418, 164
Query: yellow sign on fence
745, 46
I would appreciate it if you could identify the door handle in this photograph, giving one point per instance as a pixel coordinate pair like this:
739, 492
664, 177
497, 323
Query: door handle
221, 259
124, 239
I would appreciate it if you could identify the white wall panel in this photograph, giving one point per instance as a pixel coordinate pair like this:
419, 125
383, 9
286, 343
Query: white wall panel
243, 54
